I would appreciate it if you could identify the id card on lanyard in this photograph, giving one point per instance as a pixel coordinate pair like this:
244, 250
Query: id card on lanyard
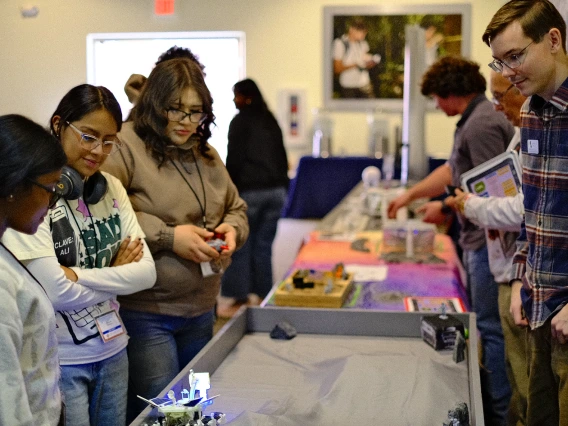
109, 325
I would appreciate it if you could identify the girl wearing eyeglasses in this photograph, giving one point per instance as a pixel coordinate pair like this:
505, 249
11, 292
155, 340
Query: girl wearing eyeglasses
183, 195
89, 249
30, 166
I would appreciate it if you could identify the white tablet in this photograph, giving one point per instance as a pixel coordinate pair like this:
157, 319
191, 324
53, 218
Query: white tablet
498, 177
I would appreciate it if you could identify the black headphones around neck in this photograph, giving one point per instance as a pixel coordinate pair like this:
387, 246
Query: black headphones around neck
73, 186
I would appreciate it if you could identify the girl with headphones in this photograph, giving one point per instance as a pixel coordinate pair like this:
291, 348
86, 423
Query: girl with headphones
30, 165
89, 250
183, 195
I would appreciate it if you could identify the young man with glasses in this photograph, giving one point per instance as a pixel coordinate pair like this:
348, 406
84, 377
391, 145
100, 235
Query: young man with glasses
527, 41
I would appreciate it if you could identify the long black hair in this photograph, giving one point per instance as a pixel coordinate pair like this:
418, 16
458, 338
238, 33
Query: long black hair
27, 151
82, 100
254, 102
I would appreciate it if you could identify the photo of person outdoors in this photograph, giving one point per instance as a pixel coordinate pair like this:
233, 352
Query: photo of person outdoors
366, 58
352, 61
88, 250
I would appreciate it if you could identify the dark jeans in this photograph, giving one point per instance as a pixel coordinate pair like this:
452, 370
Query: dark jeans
251, 267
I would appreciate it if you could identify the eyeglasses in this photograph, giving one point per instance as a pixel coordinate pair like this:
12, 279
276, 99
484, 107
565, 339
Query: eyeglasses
512, 61
178, 115
498, 97
90, 142
54, 191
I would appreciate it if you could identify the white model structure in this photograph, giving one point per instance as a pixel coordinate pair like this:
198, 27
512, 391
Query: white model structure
188, 411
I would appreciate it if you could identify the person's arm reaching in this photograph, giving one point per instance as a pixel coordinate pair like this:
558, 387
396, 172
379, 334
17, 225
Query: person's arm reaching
431, 186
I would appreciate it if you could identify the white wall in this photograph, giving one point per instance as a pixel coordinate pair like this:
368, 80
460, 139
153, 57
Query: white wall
43, 57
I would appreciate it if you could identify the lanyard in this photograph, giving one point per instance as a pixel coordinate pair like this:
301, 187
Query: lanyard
89, 256
203, 206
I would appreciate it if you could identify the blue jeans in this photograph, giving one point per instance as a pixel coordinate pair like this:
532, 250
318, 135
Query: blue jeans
251, 267
160, 346
485, 302
95, 393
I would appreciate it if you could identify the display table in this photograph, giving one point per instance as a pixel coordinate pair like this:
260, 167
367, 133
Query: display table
379, 284
343, 367
385, 286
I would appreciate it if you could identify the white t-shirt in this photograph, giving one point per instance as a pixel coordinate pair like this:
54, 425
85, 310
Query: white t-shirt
29, 368
357, 53
85, 238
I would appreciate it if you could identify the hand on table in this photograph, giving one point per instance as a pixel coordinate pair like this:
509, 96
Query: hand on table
516, 307
189, 243
399, 202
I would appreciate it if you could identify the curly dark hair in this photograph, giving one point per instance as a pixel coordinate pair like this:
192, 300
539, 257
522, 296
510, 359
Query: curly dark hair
165, 85
180, 52
452, 75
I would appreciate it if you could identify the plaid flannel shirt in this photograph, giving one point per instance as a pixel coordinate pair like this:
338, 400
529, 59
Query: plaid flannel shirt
541, 261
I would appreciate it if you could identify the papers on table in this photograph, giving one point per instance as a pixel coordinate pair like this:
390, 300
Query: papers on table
363, 273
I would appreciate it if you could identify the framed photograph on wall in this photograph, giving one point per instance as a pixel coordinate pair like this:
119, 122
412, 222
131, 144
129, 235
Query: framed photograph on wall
364, 50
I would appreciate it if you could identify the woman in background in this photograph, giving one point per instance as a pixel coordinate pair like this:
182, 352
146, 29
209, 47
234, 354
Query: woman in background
182, 194
30, 165
88, 251
257, 164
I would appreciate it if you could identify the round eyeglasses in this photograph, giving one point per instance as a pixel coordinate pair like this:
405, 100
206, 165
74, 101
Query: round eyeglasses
178, 115
90, 142
514, 60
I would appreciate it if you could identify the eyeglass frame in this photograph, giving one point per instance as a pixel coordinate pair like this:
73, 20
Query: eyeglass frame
497, 64
99, 141
55, 192
496, 99
187, 114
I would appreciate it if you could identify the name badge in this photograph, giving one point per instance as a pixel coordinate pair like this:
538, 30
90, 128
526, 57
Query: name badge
532, 146
109, 325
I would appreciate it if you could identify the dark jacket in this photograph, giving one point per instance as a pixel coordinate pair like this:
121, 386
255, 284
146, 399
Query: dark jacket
256, 158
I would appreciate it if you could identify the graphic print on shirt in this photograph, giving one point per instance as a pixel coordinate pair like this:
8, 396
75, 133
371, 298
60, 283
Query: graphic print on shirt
95, 245
66, 248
